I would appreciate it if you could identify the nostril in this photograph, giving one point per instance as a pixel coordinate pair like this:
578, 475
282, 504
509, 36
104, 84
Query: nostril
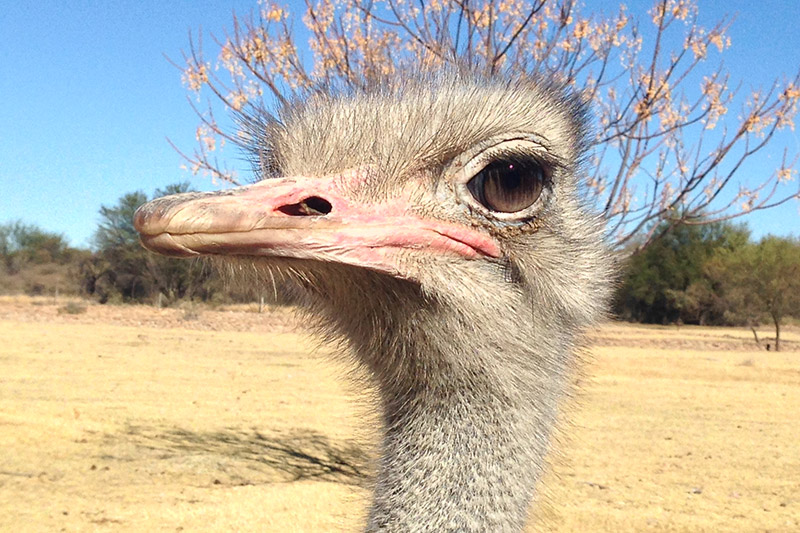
320, 205
312, 206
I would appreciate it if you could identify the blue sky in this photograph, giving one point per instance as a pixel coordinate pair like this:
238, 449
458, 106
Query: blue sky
87, 99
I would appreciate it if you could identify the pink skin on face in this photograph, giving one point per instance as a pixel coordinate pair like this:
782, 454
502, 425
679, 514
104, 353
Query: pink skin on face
304, 218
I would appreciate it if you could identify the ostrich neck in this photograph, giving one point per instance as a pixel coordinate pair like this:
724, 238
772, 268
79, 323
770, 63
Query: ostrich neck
464, 445
469, 393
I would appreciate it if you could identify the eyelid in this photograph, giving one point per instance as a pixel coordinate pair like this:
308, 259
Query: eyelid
510, 149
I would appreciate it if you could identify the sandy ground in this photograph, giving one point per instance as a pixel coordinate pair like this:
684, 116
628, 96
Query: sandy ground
137, 419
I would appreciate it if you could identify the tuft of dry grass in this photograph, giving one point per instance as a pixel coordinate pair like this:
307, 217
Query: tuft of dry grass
72, 308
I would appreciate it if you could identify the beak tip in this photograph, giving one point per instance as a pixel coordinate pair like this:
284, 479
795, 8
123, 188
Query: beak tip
139, 218
147, 219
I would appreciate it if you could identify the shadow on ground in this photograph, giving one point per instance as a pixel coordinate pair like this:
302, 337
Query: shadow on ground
241, 457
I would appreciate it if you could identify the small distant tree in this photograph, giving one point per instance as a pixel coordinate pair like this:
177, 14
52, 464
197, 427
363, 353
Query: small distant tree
23, 244
667, 283
672, 131
761, 280
35, 261
116, 222
122, 268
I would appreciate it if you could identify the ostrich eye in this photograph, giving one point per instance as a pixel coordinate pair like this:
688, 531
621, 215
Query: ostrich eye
508, 185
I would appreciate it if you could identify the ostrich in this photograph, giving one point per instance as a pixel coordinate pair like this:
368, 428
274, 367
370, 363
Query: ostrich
436, 226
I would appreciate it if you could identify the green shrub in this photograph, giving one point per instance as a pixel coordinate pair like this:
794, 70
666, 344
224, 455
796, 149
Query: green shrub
72, 308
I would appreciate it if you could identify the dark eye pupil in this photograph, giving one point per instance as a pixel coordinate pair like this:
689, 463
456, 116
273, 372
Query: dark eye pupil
508, 186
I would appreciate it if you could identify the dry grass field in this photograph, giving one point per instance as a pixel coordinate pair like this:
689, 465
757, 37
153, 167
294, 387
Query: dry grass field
138, 419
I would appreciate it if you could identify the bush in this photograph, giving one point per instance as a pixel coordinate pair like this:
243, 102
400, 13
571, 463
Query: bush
72, 308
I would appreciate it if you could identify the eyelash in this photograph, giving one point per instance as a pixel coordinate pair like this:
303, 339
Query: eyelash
548, 162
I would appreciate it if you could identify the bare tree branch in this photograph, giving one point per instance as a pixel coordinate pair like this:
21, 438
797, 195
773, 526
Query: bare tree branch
667, 148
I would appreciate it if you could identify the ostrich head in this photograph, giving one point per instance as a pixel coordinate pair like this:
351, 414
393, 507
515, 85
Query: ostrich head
437, 227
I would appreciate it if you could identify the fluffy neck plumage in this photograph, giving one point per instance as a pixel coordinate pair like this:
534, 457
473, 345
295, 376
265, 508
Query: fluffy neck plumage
468, 410
456, 459
469, 388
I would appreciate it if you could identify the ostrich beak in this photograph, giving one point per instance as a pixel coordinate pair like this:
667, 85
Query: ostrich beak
305, 218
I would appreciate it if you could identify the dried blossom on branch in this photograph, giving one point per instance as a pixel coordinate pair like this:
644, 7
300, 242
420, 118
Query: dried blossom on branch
673, 134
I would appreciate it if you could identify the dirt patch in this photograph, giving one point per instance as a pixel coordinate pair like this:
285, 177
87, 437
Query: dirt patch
197, 317
137, 419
